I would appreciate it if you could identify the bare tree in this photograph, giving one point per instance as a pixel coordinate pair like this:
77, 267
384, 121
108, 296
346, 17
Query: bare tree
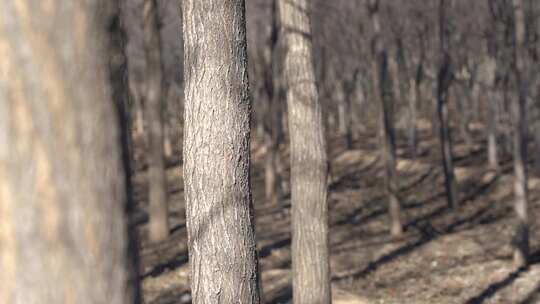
521, 236
159, 224
444, 78
222, 249
380, 75
63, 230
310, 257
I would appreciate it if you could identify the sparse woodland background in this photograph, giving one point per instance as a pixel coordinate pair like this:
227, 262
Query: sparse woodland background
345, 151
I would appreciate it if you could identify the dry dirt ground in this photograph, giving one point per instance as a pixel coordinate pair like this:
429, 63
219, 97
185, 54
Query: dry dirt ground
445, 256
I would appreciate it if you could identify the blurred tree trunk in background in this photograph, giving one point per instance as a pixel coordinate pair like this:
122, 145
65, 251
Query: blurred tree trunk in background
157, 181
137, 92
490, 99
62, 193
444, 79
221, 236
274, 130
521, 235
120, 94
309, 168
380, 70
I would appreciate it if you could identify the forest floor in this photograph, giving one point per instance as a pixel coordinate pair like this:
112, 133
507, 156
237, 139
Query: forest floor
445, 256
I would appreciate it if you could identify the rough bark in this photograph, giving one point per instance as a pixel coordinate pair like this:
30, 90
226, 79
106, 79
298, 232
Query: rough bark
521, 234
222, 249
310, 252
62, 192
157, 182
380, 76
444, 78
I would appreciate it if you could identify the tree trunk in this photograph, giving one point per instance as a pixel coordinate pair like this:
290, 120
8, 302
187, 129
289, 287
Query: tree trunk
136, 90
344, 115
118, 71
521, 235
62, 224
492, 109
444, 78
465, 102
413, 101
309, 168
273, 188
221, 236
157, 181
380, 82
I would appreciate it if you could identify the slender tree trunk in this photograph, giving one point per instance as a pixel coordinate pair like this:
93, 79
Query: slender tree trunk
521, 236
272, 173
157, 182
413, 116
167, 140
137, 96
309, 168
380, 81
465, 102
118, 71
492, 108
344, 109
62, 224
221, 236
444, 79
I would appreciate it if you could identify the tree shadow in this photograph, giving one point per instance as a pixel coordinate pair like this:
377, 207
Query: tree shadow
282, 296
428, 234
267, 250
493, 288
532, 297
179, 260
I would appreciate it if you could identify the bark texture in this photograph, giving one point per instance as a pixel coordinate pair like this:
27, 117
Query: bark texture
222, 249
62, 191
159, 223
311, 275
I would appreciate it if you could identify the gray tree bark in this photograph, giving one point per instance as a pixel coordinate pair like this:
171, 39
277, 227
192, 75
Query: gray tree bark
521, 235
62, 192
222, 249
381, 82
309, 169
157, 181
